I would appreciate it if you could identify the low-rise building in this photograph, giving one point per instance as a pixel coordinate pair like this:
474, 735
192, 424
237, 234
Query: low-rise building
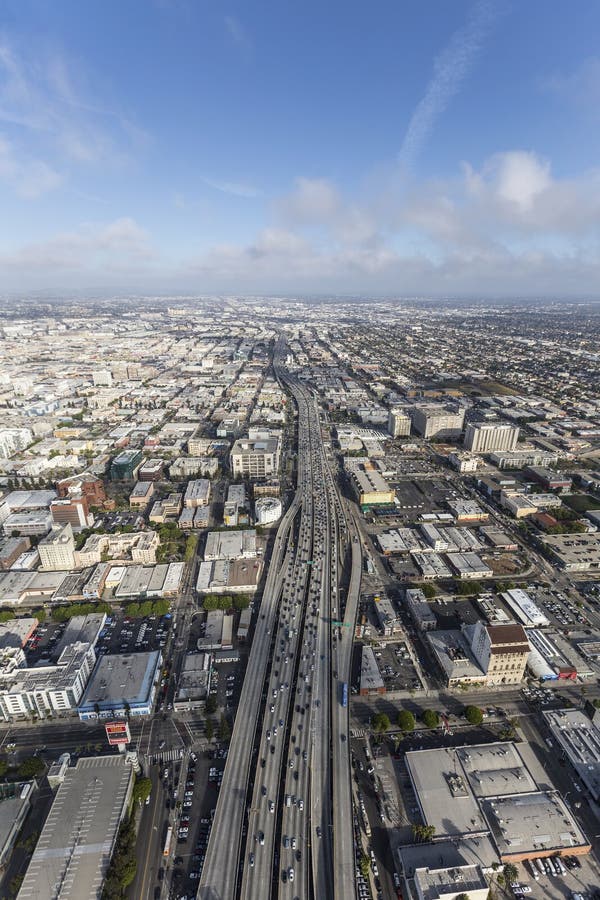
141, 494
224, 576
231, 545
122, 684
79, 835
369, 485
371, 681
197, 493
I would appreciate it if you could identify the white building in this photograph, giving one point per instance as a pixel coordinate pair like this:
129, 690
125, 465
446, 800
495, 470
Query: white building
399, 423
57, 549
197, 493
13, 440
256, 456
267, 510
490, 437
436, 420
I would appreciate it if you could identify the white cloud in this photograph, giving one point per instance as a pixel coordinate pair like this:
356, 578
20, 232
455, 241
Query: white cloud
43, 107
580, 87
450, 69
237, 32
92, 247
27, 177
235, 189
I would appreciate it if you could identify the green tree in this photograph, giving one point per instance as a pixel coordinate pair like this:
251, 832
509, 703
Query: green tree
6, 615
3, 768
161, 607
224, 729
473, 715
423, 833
142, 789
511, 873
431, 718
428, 590
211, 705
31, 767
380, 722
209, 729
406, 720
364, 865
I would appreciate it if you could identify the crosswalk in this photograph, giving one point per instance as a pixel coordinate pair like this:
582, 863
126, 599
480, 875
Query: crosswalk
358, 732
165, 756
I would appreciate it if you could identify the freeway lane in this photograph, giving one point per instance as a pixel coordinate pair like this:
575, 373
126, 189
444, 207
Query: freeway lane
220, 871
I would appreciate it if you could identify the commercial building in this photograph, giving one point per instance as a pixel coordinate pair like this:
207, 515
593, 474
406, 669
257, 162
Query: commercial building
194, 683
579, 740
57, 549
73, 509
388, 619
75, 846
490, 437
399, 423
467, 512
501, 651
15, 803
517, 459
197, 493
575, 552
491, 792
188, 466
256, 456
223, 576
141, 494
524, 609
455, 658
151, 470
469, 566
464, 462
231, 545
550, 480
125, 465
87, 484
451, 883
11, 549
437, 421
520, 505
369, 485
371, 681
122, 684
16, 632
419, 609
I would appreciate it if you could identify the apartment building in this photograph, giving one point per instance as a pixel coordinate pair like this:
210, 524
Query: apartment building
13, 440
490, 437
256, 456
73, 509
399, 423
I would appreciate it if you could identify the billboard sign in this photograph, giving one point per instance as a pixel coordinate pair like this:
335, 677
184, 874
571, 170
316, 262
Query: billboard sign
117, 733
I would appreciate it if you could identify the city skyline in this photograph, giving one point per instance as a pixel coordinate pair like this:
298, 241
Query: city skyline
429, 151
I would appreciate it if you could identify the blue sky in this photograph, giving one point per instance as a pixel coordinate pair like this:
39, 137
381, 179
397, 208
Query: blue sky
406, 148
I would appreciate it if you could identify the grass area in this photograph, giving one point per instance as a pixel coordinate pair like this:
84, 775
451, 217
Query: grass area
581, 502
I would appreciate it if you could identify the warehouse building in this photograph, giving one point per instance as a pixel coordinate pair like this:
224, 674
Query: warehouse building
579, 739
223, 576
371, 681
78, 838
231, 545
369, 485
524, 609
575, 552
474, 791
194, 683
122, 684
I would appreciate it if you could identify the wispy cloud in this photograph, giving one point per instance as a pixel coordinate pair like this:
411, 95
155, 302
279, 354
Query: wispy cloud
450, 69
580, 87
230, 187
238, 33
48, 118
28, 177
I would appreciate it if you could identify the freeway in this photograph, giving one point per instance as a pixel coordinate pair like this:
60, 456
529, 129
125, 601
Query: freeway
282, 767
220, 871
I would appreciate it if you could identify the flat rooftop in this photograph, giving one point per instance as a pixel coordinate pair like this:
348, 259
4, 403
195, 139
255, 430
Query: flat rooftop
532, 823
74, 849
122, 677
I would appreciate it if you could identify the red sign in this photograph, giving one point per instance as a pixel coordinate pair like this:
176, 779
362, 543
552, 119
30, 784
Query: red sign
117, 733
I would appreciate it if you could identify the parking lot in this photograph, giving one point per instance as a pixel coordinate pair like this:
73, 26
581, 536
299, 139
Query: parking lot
127, 635
396, 666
